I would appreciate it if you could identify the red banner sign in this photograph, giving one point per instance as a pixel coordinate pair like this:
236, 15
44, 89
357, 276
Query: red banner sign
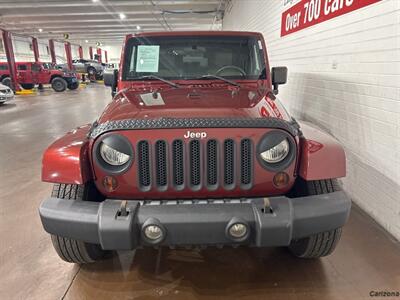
307, 13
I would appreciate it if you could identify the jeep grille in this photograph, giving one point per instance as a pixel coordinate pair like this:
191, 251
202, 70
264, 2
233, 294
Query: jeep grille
195, 164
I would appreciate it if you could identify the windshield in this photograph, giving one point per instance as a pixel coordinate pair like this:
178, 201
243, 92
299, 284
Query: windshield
192, 57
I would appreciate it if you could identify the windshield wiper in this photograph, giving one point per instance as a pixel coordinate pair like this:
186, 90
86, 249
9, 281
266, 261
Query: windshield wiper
159, 78
209, 76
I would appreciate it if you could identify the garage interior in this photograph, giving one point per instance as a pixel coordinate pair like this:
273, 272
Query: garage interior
344, 77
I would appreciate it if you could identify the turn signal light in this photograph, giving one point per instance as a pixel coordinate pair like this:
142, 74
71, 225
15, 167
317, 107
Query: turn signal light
281, 179
110, 183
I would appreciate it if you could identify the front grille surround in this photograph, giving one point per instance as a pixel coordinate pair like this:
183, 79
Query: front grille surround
195, 164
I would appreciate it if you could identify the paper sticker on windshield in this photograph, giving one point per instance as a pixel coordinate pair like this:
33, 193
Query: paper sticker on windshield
152, 99
147, 59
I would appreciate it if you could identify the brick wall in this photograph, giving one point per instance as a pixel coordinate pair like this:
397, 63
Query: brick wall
344, 76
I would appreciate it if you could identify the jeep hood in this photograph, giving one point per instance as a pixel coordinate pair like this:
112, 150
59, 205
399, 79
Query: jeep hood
186, 102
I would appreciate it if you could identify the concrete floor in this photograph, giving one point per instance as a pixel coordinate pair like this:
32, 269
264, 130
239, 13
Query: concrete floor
365, 260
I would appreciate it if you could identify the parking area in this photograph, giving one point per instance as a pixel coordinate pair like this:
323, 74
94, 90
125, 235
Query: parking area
366, 260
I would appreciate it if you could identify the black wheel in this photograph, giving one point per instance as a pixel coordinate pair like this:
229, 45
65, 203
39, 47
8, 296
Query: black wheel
59, 84
7, 81
73, 86
71, 250
91, 71
321, 244
27, 86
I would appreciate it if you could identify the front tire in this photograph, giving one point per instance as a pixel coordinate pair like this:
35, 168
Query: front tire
323, 243
91, 74
91, 71
70, 250
59, 84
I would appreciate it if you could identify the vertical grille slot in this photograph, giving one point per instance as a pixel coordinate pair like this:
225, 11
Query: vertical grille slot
178, 163
229, 163
144, 164
212, 163
161, 163
195, 163
246, 162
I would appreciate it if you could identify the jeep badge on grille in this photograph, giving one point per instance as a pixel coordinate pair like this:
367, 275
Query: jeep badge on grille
197, 135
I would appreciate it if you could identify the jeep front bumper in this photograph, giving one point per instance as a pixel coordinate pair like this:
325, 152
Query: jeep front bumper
195, 222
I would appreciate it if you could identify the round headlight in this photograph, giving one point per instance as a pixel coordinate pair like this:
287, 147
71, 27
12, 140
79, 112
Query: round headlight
277, 153
112, 156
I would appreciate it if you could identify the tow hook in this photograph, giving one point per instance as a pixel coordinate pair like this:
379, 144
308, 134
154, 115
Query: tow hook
267, 206
123, 212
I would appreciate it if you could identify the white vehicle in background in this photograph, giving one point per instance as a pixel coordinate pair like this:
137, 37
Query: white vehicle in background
6, 94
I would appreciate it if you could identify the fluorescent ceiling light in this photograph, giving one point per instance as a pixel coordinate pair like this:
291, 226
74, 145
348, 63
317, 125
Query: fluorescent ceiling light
122, 16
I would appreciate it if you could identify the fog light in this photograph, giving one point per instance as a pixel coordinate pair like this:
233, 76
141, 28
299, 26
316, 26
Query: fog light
110, 183
153, 232
238, 230
281, 179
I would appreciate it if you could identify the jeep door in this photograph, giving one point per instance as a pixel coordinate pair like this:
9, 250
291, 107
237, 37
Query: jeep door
24, 73
43, 73
36, 74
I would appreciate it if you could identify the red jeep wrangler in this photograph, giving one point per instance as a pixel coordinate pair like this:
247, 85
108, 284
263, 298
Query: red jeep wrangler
30, 73
194, 150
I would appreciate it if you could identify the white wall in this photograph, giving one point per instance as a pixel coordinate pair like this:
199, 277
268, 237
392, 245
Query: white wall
75, 51
344, 75
113, 52
44, 51
23, 50
59, 48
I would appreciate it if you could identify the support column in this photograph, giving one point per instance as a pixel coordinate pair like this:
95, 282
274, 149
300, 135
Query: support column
105, 56
35, 47
80, 52
52, 52
91, 52
8, 45
68, 53
99, 55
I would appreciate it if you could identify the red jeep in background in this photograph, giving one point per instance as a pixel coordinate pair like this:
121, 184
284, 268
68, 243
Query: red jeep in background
30, 74
194, 150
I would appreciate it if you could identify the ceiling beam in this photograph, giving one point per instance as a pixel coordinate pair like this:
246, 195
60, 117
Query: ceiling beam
101, 10
114, 3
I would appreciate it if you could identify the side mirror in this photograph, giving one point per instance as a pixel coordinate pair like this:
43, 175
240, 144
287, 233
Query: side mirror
110, 77
279, 76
